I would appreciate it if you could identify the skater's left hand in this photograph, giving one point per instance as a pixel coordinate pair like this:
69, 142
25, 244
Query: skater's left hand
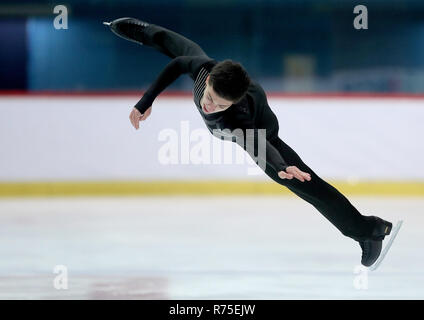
294, 171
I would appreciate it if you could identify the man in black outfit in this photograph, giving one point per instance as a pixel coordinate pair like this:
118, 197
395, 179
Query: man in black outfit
231, 103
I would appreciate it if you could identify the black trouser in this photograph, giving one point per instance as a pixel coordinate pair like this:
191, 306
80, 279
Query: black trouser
324, 197
170, 43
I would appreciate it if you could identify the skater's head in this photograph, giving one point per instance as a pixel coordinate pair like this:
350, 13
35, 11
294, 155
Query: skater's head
226, 85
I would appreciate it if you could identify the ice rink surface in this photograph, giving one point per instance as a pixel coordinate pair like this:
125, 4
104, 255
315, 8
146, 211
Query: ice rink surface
211, 247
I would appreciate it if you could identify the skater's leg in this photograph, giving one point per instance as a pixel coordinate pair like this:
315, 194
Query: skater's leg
170, 43
164, 40
324, 197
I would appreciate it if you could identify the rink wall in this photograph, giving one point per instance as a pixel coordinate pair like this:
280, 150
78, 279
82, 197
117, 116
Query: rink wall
85, 144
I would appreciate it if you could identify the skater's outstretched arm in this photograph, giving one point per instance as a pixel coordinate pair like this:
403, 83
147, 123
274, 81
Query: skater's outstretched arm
276, 161
267, 119
178, 66
272, 157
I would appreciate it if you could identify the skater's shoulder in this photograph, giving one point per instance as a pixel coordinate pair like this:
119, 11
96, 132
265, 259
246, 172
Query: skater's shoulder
202, 63
254, 85
207, 64
256, 90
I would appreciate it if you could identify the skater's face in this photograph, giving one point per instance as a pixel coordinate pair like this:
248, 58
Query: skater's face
211, 102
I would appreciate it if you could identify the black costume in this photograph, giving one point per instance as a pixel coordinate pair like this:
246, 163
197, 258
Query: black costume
253, 112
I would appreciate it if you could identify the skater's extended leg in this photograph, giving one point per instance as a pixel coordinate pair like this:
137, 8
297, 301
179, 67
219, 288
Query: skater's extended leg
171, 43
324, 197
164, 40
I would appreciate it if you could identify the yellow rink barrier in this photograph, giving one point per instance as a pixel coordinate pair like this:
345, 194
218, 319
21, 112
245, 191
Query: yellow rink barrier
141, 188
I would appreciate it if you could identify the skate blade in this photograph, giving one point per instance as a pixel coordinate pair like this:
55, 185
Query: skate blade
107, 23
394, 233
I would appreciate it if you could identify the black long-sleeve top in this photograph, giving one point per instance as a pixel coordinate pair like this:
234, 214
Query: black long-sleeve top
252, 112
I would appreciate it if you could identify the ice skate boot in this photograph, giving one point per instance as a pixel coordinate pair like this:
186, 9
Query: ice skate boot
371, 248
128, 28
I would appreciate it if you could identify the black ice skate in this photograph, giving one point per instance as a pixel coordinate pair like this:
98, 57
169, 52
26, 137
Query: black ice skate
371, 249
128, 28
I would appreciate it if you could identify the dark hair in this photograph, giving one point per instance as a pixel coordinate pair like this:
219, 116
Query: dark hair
229, 80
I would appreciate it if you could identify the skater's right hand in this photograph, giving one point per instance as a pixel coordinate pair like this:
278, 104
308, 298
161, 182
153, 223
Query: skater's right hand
136, 116
293, 171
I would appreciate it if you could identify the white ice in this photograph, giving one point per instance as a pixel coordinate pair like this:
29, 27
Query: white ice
210, 247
